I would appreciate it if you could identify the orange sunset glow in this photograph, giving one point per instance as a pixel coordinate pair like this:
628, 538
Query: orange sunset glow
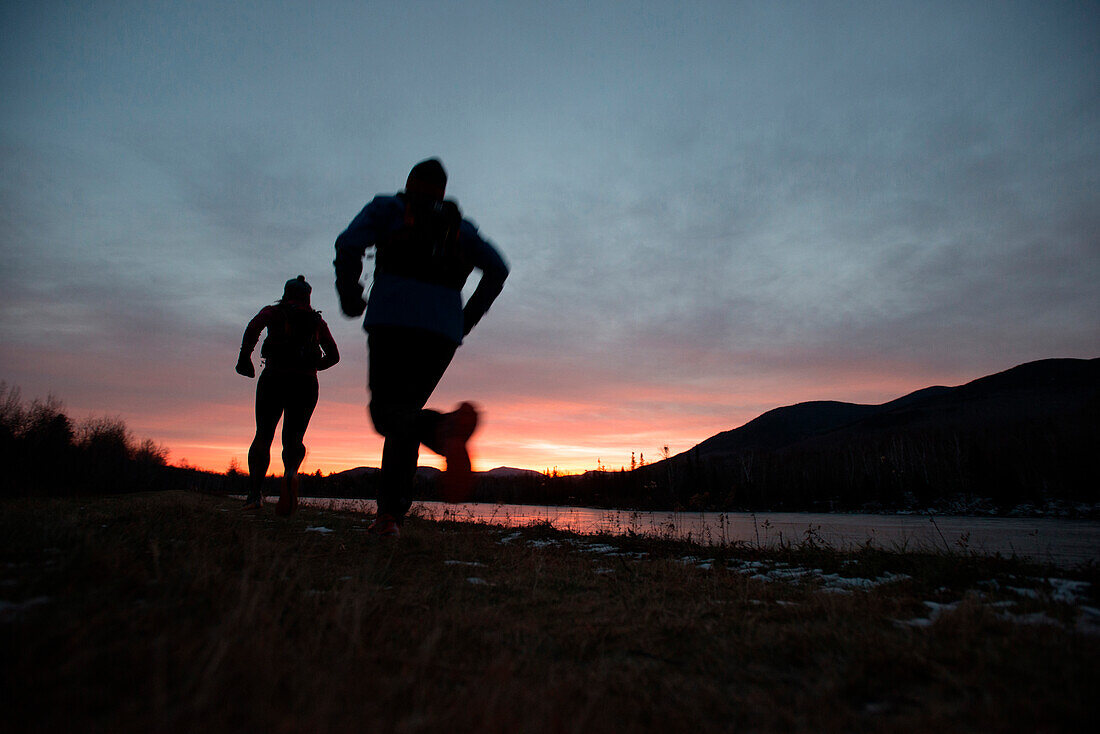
570, 436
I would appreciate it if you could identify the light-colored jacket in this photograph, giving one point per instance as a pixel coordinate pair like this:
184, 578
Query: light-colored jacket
397, 300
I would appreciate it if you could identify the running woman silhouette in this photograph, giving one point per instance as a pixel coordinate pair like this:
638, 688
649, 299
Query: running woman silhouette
298, 344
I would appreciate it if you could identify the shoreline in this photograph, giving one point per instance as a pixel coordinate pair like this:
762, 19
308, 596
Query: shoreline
1063, 542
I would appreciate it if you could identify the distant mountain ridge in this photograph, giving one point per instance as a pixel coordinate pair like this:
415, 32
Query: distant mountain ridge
1035, 390
428, 472
1021, 441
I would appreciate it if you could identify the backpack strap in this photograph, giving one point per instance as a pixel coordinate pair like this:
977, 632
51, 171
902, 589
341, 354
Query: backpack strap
287, 346
426, 245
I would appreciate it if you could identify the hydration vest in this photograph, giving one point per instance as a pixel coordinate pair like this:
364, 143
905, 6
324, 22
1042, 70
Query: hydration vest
294, 343
425, 246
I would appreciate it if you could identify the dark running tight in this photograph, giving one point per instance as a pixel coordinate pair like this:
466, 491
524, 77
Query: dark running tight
291, 396
405, 367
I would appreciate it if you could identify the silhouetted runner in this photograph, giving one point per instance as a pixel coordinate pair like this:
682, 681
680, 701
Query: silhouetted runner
298, 344
415, 321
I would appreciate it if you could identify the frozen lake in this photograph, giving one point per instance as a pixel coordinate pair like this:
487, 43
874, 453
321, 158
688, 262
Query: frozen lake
1062, 542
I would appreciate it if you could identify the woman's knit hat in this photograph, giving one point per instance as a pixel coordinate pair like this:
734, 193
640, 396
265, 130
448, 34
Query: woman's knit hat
297, 289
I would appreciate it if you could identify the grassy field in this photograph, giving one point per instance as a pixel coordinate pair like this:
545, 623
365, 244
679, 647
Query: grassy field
178, 612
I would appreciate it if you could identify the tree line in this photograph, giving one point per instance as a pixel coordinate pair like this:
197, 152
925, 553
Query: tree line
44, 452
994, 468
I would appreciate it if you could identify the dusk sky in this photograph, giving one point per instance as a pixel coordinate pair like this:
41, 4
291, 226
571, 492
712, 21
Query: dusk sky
710, 209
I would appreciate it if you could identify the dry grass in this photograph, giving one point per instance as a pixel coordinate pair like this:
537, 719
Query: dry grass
177, 612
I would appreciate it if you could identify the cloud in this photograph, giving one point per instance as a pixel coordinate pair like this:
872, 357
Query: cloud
718, 207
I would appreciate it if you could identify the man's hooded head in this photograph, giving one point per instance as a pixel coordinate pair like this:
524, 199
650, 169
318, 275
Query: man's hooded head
427, 178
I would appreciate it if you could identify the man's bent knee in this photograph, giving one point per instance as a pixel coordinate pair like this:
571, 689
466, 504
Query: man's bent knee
392, 420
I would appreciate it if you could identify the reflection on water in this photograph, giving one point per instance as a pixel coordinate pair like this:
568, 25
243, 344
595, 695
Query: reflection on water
1064, 542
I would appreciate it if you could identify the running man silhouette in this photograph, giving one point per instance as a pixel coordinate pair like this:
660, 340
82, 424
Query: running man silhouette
298, 344
424, 252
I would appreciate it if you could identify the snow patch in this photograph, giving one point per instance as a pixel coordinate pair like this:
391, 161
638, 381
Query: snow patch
705, 563
598, 548
835, 582
14, 609
1068, 590
831, 583
1037, 618
935, 611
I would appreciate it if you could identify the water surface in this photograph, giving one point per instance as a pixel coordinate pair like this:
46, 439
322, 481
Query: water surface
1063, 542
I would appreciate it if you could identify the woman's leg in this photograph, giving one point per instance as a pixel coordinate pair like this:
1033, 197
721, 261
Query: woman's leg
300, 396
269, 408
300, 404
